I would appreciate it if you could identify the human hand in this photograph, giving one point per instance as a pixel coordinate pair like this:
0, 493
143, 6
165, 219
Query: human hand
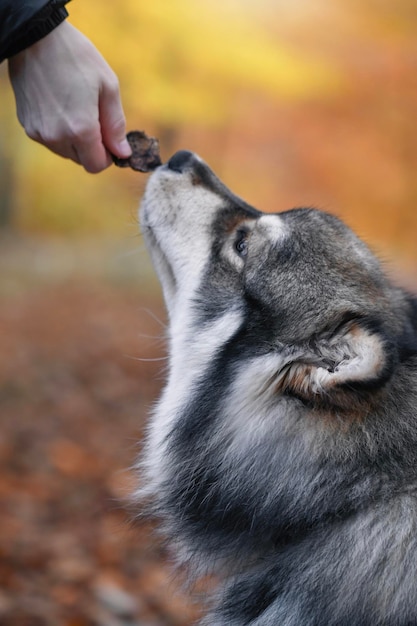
68, 99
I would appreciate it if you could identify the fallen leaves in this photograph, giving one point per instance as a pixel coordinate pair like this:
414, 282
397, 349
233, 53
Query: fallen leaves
73, 407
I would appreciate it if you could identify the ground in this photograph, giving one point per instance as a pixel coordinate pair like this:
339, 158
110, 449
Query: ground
82, 362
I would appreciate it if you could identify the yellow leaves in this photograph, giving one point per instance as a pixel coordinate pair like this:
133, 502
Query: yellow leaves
290, 102
244, 54
183, 61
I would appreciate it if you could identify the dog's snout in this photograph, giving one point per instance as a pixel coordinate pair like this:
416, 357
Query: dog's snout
180, 160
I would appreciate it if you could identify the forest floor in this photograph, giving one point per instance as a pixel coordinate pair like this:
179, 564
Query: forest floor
82, 362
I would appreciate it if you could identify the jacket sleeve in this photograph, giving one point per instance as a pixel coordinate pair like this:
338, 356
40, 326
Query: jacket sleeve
23, 22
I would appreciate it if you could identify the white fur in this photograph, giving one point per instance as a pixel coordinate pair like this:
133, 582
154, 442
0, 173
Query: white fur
367, 361
170, 218
273, 227
293, 486
191, 355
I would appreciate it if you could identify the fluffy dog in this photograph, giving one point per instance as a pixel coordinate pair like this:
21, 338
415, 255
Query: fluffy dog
282, 454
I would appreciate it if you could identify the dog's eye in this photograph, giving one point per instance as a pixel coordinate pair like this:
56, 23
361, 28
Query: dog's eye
241, 243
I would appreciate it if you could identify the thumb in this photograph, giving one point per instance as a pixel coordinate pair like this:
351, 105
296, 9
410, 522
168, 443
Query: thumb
112, 121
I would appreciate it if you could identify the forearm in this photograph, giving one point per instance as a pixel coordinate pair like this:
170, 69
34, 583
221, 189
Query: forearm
22, 23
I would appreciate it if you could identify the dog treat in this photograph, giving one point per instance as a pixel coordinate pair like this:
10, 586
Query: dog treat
145, 152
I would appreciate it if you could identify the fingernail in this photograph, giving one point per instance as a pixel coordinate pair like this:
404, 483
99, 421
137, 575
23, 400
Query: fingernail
125, 149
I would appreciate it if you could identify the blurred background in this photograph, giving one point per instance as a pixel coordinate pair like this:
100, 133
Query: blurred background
296, 103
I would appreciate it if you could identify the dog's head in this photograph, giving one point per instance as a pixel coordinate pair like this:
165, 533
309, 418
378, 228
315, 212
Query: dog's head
297, 291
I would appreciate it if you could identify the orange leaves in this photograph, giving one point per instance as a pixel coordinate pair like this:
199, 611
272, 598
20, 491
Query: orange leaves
69, 552
291, 103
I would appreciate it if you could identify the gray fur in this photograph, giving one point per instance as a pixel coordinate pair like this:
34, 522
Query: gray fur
282, 455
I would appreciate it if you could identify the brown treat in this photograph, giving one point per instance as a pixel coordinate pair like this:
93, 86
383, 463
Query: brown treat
145, 152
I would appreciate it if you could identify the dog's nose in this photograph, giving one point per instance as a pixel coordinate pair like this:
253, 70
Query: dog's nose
179, 161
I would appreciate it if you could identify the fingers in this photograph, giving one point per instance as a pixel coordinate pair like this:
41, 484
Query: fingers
112, 119
82, 143
92, 147
83, 146
91, 154
68, 99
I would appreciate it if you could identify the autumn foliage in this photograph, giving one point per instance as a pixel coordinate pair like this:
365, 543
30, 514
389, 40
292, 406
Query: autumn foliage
297, 103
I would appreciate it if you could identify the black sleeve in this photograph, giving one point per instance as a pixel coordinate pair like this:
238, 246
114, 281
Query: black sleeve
23, 22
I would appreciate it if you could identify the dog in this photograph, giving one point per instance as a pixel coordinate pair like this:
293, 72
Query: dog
282, 454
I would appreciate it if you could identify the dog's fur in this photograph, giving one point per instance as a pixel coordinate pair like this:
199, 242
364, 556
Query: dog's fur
282, 454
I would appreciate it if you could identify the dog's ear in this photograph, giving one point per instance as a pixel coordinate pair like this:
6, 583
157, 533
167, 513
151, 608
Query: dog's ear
339, 368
